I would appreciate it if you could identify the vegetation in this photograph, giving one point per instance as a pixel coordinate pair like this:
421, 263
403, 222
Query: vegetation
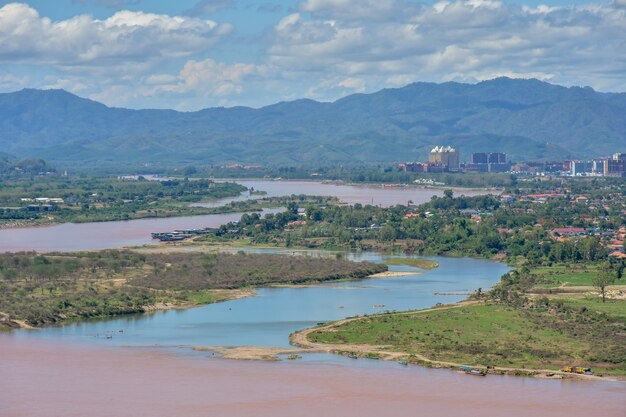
371, 173
87, 199
528, 119
47, 289
518, 230
542, 315
9, 167
603, 279
497, 335
524, 322
416, 262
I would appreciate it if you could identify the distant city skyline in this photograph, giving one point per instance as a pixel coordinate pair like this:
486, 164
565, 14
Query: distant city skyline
193, 54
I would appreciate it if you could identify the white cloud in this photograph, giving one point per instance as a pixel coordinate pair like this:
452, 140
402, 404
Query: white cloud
471, 39
322, 49
212, 78
124, 37
12, 82
355, 84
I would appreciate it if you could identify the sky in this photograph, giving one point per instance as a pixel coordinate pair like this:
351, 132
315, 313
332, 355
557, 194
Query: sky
193, 54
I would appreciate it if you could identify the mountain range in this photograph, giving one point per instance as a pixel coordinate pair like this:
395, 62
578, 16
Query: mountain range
527, 119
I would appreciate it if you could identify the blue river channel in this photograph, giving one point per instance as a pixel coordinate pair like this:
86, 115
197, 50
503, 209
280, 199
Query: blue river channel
268, 318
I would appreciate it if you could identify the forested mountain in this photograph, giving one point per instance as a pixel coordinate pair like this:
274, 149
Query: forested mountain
528, 119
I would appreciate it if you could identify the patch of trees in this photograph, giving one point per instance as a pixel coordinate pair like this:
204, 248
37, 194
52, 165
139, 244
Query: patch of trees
45, 289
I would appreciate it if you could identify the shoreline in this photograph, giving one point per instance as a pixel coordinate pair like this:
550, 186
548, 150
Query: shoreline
222, 295
300, 339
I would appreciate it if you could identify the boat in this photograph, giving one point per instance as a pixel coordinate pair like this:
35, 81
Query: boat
472, 371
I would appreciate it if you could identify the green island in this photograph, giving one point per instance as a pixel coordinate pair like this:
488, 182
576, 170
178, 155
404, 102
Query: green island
38, 290
28, 199
35, 199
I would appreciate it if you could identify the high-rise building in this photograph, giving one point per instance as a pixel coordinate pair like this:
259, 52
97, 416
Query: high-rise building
480, 157
616, 165
581, 167
444, 155
497, 158
598, 166
489, 162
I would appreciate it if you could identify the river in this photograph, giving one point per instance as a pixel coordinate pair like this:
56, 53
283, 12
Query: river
147, 369
351, 194
105, 235
269, 318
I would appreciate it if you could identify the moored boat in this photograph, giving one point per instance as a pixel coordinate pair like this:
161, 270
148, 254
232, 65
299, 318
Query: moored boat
472, 371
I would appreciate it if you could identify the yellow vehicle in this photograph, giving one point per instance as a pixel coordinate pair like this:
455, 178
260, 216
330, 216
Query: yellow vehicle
577, 370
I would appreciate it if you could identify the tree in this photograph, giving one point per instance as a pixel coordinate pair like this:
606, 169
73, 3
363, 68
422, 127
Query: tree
603, 279
448, 193
387, 233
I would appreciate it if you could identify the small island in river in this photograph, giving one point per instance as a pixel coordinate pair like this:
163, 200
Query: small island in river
39, 290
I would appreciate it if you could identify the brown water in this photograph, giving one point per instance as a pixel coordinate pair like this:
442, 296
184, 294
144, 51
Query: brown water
46, 379
105, 235
102, 235
350, 194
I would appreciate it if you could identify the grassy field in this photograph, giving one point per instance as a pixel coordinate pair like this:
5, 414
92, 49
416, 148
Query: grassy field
415, 262
496, 335
567, 275
612, 308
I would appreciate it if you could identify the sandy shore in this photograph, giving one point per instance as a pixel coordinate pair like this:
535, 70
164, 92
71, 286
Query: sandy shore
264, 353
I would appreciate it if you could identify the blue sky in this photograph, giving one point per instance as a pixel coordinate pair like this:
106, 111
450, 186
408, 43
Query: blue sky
191, 54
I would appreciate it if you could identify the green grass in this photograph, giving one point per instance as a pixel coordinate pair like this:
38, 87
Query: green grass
491, 335
556, 275
613, 308
415, 262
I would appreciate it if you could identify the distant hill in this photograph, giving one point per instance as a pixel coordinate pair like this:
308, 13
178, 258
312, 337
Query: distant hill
528, 119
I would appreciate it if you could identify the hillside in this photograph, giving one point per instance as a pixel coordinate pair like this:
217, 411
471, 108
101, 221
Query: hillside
528, 119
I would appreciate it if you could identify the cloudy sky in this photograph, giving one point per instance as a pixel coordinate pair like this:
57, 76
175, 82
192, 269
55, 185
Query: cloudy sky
191, 54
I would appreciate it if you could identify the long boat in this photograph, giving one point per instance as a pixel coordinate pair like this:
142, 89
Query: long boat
472, 371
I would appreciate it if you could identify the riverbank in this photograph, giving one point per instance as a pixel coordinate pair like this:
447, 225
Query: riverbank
534, 328
370, 337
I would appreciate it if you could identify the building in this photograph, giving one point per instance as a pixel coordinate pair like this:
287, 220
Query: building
445, 156
488, 162
615, 166
497, 158
581, 167
598, 166
480, 158
413, 167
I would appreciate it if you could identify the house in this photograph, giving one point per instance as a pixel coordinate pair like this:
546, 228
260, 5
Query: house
568, 231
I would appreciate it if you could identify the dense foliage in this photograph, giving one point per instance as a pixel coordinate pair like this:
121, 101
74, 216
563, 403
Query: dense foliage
44, 289
103, 198
476, 226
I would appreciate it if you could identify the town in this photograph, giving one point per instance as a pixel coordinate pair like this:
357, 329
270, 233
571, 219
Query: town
447, 159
